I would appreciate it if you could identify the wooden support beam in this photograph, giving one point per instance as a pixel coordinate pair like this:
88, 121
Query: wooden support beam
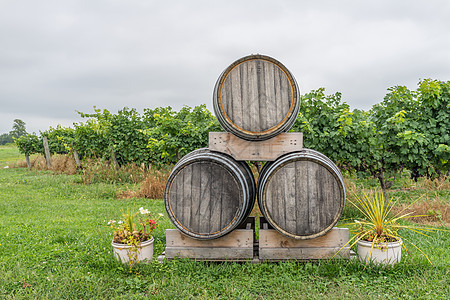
237, 245
274, 246
267, 150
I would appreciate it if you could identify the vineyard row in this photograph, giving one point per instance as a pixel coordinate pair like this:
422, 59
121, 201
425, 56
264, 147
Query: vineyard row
407, 130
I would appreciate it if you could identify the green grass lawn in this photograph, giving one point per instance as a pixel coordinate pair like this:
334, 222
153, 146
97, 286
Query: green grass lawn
54, 243
9, 154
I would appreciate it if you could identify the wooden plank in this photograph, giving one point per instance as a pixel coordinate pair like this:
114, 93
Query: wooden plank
272, 201
210, 253
232, 201
237, 245
216, 195
242, 238
270, 238
226, 199
275, 246
278, 184
253, 99
302, 205
313, 183
205, 202
186, 200
285, 93
267, 150
234, 99
301, 253
176, 196
249, 223
290, 198
263, 117
195, 198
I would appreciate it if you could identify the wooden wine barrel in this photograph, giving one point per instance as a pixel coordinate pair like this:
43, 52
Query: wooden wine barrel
208, 194
301, 194
256, 98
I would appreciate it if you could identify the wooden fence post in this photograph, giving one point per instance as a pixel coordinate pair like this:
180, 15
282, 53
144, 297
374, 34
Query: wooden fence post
47, 152
77, 158
27, 158
114, 159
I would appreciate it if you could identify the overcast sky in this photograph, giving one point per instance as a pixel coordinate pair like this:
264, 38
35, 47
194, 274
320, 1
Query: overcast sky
59, 57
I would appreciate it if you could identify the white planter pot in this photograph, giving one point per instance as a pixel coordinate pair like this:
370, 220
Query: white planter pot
386, 254
124, 252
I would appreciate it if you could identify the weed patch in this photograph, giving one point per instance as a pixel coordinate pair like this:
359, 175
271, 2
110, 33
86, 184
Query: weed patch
95, 170
434, 212
152, 187
61, 164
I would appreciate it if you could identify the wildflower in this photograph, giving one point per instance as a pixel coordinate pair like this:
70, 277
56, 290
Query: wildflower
143, 211
161, 215
120, 222
152, 224
112, 222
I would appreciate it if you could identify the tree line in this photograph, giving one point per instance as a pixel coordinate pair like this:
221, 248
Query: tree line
408, 130
17, 131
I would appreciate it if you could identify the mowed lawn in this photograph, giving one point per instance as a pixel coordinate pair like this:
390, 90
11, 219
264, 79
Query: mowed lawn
54, 244
9, 154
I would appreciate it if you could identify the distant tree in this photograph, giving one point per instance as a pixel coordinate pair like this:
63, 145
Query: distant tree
18, 129
5, 139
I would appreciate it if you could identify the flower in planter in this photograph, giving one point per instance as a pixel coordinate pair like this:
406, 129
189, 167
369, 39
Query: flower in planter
134, 229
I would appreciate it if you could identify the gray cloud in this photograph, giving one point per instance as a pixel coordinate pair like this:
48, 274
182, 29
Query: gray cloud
61, 56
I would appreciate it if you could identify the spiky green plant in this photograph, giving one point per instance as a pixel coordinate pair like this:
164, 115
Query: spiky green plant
379, 225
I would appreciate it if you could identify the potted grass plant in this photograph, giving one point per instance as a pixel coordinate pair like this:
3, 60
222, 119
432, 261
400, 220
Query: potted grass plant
133, 240
378, 233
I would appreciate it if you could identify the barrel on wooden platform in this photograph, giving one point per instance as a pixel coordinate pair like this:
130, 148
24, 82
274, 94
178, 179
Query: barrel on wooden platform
301, 194
256, 98
208, 194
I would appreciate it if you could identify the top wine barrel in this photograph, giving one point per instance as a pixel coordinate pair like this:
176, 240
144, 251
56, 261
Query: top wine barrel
256, 98
209, 194
301, 194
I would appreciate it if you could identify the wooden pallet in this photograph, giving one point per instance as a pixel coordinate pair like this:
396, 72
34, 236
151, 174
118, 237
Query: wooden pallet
240, 245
